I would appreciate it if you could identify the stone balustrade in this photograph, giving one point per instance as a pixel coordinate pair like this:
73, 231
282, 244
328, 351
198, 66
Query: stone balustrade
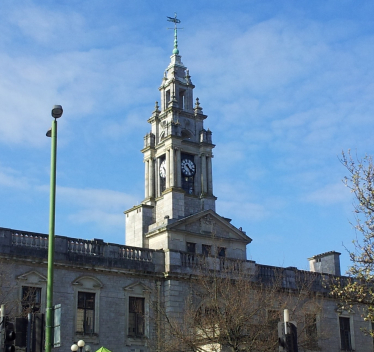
293, 278
97, 253
35, 244
135, 253
190, 259
86, 247
193, 260
29, 240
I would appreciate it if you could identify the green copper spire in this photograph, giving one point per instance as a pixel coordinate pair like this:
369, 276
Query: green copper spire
175, 20
175, 50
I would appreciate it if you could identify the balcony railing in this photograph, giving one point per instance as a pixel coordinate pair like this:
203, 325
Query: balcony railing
85, 247
135, 253
191, 260
30, 240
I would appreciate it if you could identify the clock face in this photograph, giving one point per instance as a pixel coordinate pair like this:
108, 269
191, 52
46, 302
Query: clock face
188, 167
163, 169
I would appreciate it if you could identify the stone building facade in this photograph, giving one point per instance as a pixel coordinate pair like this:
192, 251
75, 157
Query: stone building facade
107, 290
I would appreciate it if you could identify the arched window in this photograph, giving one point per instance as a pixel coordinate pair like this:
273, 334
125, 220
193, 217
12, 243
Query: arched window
186, 134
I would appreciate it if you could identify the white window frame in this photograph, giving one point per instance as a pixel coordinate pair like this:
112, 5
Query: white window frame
139, 290
33, 279
345, 314
92, 285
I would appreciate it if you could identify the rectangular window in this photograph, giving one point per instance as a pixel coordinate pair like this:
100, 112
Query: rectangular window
188, 184
345, 334
31, 299
181, 99
136, 316
311, 331
206, 250
191, 247
86, 313
162, 174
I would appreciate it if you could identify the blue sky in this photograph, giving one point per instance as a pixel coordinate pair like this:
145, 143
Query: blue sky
286, 85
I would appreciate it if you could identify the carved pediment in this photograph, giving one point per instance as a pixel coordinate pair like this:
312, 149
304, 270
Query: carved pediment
209, 223
88, 282
32, 277
137, 287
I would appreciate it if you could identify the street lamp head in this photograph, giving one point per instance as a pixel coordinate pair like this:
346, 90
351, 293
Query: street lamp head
74, 348
57, 111
81, 343
87, 348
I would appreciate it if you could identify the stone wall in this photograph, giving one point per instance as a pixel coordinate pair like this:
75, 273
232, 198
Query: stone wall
115, 273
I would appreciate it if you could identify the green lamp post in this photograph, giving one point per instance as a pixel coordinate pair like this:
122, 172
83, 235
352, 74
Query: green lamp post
56, 113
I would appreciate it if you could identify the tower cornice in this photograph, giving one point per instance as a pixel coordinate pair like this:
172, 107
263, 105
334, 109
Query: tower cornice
146, 149
178, 111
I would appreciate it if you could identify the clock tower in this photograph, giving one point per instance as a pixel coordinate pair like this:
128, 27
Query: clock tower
178, 164
178, 150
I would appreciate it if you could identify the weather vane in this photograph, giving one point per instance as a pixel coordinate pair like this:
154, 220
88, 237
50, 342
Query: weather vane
175, 20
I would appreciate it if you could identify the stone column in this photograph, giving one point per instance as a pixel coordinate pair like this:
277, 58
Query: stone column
210, 175
157, 178
151, 178
146, 179
172, 91
167, 185
198, 181
172, 167
179, 174
204, 185
188, 100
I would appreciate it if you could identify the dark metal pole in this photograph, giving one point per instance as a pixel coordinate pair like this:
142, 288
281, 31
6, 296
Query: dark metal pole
28, 336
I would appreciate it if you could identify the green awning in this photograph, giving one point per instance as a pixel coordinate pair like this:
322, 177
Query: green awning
103, 349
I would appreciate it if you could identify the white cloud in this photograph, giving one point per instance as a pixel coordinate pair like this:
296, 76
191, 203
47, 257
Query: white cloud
99, 218
100, 208
329, 195
13, 179
245, 211
298, 77
96, 198
239, 202
42, 24
83, 82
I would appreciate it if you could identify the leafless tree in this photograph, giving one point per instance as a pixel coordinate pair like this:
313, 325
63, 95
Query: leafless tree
236, 309
357, 290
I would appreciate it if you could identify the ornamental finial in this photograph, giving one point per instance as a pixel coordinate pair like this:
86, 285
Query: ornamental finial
175, 20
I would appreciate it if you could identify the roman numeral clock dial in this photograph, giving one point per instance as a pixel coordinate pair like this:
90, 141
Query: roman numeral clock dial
163, 169
188, 167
